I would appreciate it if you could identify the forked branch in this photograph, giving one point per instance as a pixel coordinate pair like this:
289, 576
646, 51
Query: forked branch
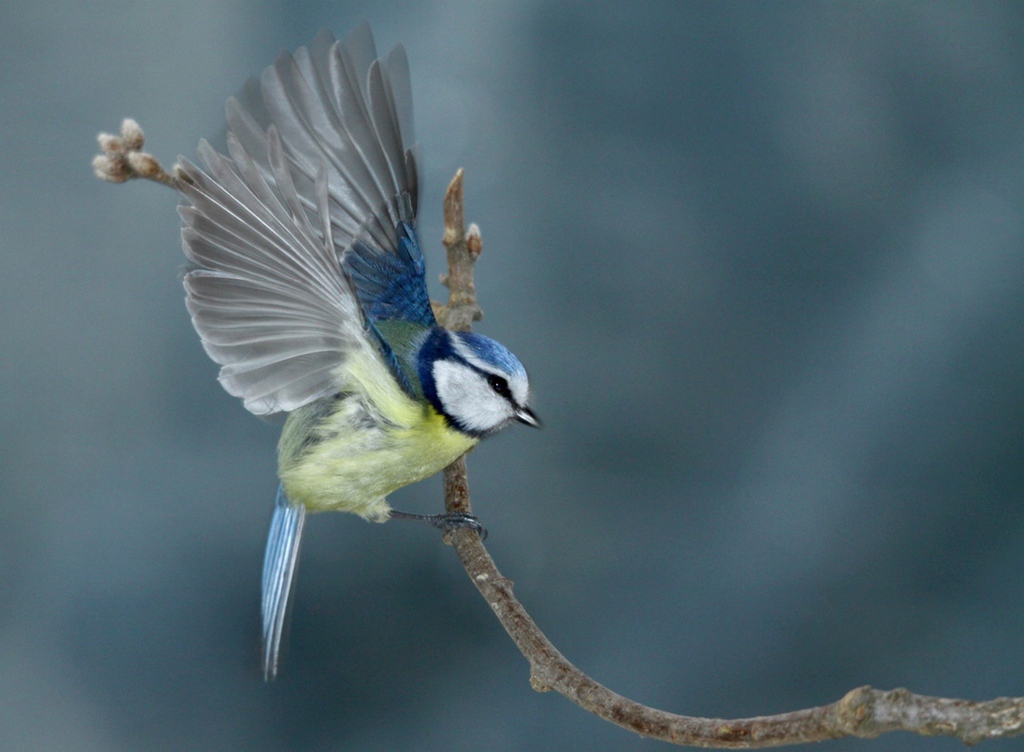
863, 712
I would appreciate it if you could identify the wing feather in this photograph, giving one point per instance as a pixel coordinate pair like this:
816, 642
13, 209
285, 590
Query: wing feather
303, 234
270, 300
385, 123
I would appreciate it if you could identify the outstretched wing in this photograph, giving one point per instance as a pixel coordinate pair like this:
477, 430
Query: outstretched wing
304, 234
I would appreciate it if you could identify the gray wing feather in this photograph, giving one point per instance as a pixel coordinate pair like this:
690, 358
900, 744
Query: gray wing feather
400, 81
270, 301
320, 99
385, 121
317, 160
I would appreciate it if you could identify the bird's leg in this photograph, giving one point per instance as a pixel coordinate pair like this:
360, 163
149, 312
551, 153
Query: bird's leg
444, 522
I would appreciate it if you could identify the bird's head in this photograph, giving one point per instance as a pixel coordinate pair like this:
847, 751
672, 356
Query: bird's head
475, 382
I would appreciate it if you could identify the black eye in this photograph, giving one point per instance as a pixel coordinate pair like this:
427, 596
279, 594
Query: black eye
499, 385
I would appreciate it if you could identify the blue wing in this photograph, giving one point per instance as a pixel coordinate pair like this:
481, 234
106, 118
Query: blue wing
279, 563
391, 285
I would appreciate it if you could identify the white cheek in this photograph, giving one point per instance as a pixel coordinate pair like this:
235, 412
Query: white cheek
520, 389
466, 396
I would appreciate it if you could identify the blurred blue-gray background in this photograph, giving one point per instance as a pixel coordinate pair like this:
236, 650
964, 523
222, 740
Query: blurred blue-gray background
764, 263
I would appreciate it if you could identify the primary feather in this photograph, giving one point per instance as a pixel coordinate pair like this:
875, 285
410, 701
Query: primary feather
304, 234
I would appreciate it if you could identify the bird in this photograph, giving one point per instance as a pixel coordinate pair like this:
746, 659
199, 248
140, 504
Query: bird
307, 287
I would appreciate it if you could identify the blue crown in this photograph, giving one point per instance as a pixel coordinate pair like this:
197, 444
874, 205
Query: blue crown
490, 352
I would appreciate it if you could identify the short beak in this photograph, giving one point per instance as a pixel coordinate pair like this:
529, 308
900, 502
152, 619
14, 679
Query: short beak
525, 415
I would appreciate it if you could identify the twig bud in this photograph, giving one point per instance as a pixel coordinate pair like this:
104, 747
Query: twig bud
474, 243
132, 135
109, 142
110, 167
144, 165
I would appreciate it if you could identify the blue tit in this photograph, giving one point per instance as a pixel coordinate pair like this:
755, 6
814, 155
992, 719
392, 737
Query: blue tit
309, 291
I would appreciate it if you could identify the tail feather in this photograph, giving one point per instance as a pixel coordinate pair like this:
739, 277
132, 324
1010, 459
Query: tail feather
279, 564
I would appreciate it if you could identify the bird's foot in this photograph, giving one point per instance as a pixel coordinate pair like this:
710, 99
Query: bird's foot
444, 522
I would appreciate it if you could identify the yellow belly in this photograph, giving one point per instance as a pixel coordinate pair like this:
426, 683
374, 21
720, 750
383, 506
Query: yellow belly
354, 451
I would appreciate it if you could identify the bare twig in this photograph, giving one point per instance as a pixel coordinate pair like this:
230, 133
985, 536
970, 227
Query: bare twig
863, 712
463, 249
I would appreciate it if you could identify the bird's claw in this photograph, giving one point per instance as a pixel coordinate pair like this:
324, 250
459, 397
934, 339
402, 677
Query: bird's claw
445, 522
457, 520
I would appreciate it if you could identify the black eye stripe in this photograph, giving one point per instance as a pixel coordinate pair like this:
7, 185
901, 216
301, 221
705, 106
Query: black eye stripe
499, 385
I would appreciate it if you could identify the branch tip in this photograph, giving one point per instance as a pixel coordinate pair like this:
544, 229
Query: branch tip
863, 712
122, 159
462, 309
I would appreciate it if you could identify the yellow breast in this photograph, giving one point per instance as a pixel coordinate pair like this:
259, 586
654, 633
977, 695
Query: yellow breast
348, 453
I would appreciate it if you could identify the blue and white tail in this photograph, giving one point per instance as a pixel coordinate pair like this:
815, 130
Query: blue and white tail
279, 563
